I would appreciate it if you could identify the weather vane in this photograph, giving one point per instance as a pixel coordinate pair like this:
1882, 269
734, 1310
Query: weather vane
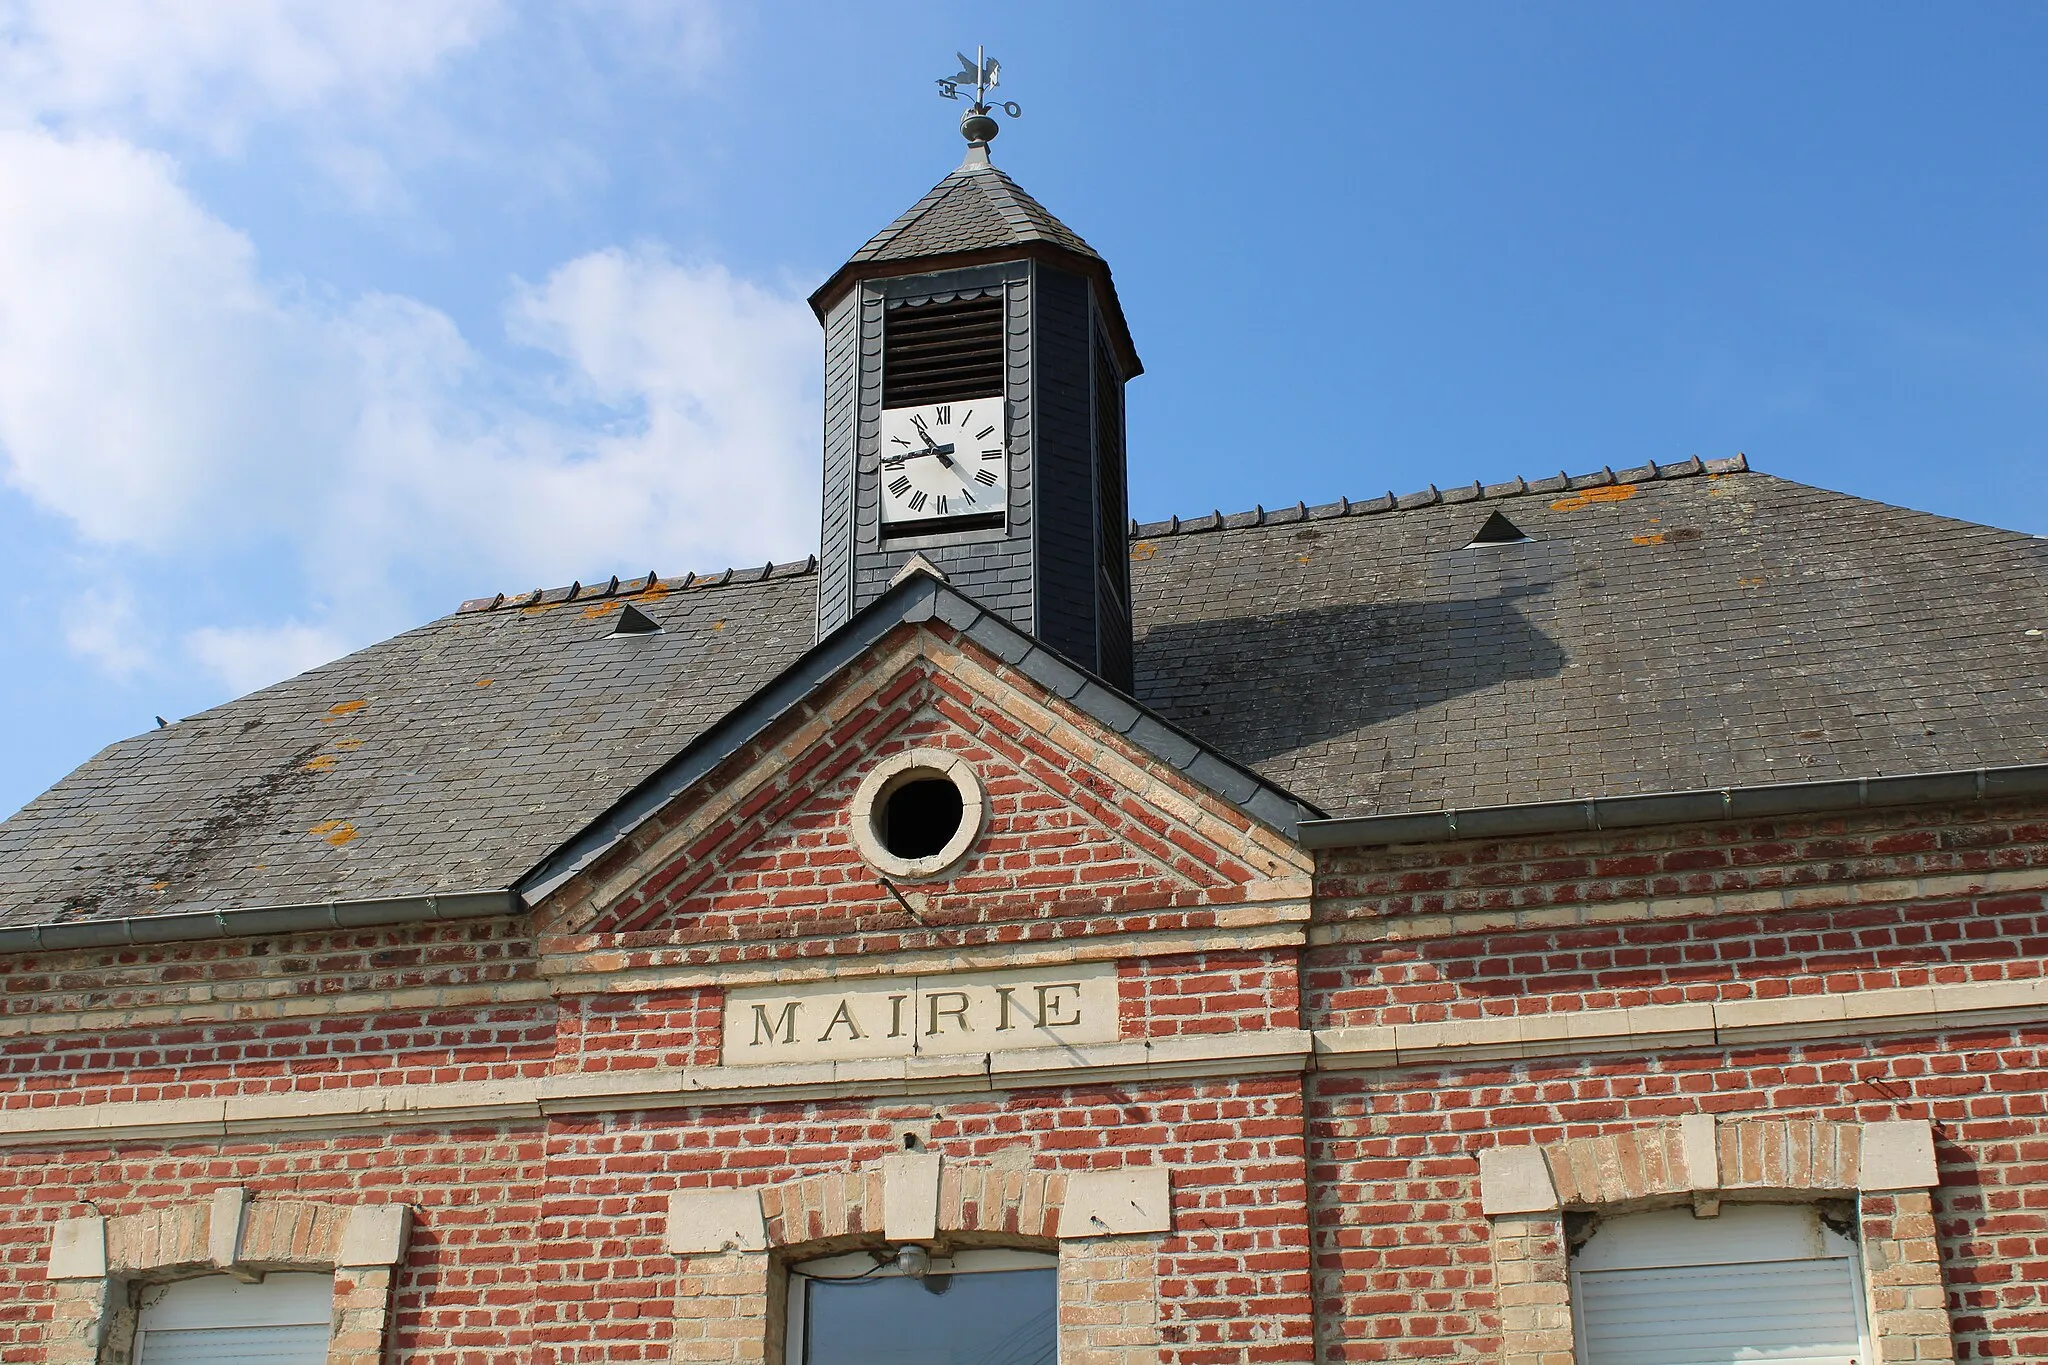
982, 73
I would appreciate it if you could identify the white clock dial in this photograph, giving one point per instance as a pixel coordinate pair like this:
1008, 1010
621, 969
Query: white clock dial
944, 461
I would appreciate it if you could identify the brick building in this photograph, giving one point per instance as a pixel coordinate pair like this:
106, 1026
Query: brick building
1589, 919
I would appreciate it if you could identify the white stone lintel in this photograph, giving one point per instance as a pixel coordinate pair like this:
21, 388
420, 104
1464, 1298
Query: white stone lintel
374, 1235
1701, 1151
701, 1222
224, 1225
1122, 1203
78, 1249
910, 1196
1898, 1155
1515, 1180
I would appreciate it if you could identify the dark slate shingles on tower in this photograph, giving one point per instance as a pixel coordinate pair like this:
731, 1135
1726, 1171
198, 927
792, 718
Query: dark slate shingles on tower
975, 208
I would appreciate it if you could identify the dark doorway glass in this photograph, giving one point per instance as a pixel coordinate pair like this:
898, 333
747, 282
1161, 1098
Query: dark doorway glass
993, 1317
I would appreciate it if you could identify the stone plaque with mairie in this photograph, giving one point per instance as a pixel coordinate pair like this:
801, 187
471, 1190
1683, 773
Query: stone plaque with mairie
909, 1016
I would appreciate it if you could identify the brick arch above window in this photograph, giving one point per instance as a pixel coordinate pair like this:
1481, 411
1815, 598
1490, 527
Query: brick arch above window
953, 1198
1107, 1227
1888, 1167
920, 1197
92, 1260
1704, 1158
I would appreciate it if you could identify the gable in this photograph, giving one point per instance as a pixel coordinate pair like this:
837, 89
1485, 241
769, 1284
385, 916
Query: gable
1080, 822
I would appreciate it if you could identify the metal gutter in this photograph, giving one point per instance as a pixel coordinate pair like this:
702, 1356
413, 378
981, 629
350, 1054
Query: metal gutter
248, 921
1678, 808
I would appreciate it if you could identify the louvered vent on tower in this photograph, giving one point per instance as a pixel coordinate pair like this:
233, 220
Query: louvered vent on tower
942, 352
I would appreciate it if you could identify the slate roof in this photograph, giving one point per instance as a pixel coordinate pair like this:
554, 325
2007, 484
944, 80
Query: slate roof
446, 759
973, 209
1663, 628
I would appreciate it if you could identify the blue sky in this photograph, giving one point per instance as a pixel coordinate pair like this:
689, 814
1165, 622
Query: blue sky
316, 319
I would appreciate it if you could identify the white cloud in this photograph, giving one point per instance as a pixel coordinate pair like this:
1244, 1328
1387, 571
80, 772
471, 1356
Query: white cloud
719, 373
211, 67
101, 625
252, 657
163, 397
189, 417
146, 375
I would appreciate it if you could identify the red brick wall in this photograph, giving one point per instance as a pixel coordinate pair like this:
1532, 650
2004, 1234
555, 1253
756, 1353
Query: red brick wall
1234, 1273
1821, 858
461, 1296
404, 1005
545, 1241
1185, 994
1459, 931
631, 1032
1061, 839
1401, 1246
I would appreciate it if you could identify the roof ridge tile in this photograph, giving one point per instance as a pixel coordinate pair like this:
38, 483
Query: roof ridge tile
1476, 491
633, 587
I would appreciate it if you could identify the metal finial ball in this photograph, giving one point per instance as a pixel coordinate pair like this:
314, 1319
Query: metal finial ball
979, 127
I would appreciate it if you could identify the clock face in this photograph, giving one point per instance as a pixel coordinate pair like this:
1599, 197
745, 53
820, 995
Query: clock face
944, 461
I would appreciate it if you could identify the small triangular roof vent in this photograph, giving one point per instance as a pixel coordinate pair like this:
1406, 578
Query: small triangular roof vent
918, 564
1498, 530
633, 621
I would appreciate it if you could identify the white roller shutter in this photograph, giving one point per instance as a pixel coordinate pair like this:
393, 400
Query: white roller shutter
1773, 1313
217, 1320
304, 1345
1762, 1284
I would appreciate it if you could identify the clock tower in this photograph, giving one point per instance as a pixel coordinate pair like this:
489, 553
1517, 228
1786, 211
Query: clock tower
975, 361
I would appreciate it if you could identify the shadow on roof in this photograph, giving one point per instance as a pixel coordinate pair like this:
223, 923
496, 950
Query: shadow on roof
1264, 686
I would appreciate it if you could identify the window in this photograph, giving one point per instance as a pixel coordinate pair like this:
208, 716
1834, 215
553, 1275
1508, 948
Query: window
217, 1320
1761, 1284
974, 1308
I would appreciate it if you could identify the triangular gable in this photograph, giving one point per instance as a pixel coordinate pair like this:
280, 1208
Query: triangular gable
925, 664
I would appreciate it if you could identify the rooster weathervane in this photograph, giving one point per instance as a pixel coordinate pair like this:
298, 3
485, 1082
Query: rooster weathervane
980, 74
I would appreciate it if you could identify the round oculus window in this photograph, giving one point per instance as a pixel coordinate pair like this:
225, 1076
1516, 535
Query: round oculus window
917, 812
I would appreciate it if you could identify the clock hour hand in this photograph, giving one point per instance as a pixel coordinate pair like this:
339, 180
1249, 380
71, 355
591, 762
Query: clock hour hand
931, 444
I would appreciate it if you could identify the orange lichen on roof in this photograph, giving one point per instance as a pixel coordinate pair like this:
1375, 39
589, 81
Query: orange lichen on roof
345, 708
320, 763
597, 609
1614, 492
1143, 550
348, 743
336, 832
